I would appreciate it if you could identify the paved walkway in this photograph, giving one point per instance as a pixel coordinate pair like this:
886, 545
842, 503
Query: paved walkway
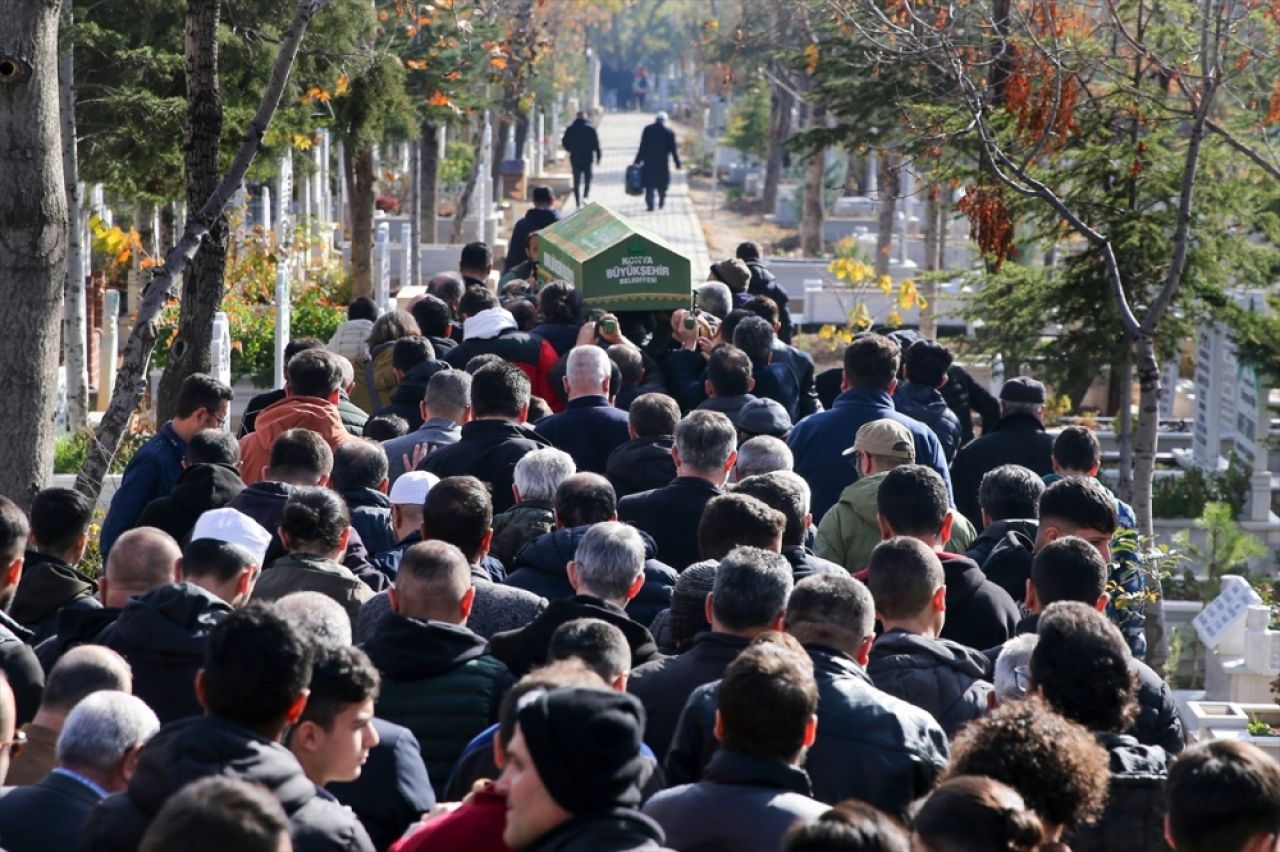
677, 222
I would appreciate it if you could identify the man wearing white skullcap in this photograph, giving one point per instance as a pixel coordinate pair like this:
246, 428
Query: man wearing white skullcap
408, 495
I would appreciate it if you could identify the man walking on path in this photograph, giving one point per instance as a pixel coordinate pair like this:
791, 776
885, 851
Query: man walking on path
582, 142
656, 144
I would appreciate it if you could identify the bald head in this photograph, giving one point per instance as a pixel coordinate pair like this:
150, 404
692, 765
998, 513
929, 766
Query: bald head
433, 584
81, 671
141, 560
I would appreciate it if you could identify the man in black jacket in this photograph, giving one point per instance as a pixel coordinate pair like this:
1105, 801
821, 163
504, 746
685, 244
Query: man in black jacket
763, 283
210, 479
799, 361
490, 329
582, 142
1009, 497
542, 214
435, 321
414, 362
644, 462
787, 493
253, 685
657, 143
50, 580
360, 478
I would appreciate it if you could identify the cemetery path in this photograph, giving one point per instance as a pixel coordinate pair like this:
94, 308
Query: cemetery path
677, 222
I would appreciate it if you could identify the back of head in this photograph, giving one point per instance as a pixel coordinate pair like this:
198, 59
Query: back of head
216, 814
913, 500
484, 359
543, 195
653, 414
314, 518
362, 308
59, 516
785, 492
688, 615
608, 560
1010, 491
392, 325
448, 287
432, 315
755, 337
729, 371
629, 361
705, 441
433, 579
540, 473
748, 251
584, 498
763, 307
973, 814
1010, 677
598, 644
559, 302
14, 531
459, 511
767, 698
449, 394
1222, 796
300, 344
927, 362
142, 559
1068, 569
751, 589
763, 454
409, 352
904, 575
730, 520
587, 368
358, 464
729, 325
318, 618
833, 610
714, 297
1081, 666
255, 666
200, 391
299, 457
103, 728
82, 671
477, 299
851, 826
1078, 503
314, 372
475, 257
1076, 450
218, 561
340, 677
213, 446
871, 361
499, 390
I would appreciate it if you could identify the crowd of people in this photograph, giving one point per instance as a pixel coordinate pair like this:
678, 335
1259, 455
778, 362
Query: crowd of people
496, 573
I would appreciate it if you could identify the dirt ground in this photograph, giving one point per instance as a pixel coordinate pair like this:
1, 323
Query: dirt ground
735, 222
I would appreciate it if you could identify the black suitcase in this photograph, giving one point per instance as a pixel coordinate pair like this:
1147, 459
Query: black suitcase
635, 180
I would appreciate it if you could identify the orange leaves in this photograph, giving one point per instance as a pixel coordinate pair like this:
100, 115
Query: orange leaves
1273, 108
416, 64
1042, 96
989, 222
453, 75
316, 95
498, 61
439, 99
811, 57
343, 86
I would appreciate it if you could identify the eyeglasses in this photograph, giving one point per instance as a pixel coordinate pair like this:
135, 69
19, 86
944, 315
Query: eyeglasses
15, 745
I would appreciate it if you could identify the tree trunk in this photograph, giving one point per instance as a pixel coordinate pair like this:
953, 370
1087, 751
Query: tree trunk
1145, 442
928, 286
202, 285
779, 131
811, 223
33, 250
362, 201
430, 178
74, 317
889, 182
1124, 430
130, 380
464, 203
415, 215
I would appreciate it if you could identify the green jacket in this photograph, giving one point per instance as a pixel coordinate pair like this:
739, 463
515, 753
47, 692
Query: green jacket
849, 531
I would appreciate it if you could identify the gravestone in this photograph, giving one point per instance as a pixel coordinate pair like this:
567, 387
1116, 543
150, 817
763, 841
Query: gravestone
1221, 624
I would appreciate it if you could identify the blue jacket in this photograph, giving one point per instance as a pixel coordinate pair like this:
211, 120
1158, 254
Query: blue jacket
819, 439
588, 429
152, 473
927, 405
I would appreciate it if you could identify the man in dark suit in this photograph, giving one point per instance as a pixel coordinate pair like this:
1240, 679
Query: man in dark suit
656, 144
97, 753
582, 142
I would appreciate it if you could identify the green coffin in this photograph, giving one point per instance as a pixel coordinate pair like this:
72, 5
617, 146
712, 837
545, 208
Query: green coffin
615, 264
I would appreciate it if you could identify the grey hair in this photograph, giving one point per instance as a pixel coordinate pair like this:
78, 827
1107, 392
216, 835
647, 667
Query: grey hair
103, 728
1011, 667
540, 473
715, 298
755, 337
319, 618
609, 558
348, 372
752, 588
449, 392
1035, 409
588, 365
763, 454
705, 440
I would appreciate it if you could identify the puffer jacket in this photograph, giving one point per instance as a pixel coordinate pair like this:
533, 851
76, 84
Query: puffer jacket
936, 675
1134, 815
440, 682
994, 533
525, 648
47, 586
306, 572
618, 830
927, 405
201, 487
379, 364
763, 283
515, 528
292, 412
371, 517
350, 340
641, 464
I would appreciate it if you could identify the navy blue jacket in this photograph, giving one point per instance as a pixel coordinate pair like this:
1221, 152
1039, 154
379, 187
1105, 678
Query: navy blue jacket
152, 473
927, 405
393, 789
371, 517
819, 440
588, 429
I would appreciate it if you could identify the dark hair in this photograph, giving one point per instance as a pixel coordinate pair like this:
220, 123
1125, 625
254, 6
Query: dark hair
314, 516
432, 315
459, 511
362, 308
14, 530
479, 362
76, 676
831, 609
384, 427
688, 615
475, 255
927, 362
409, 352
1081, 663
730, 520
903, 574
1221, 793
851, 826
210, 557
392, 325
973, 814
1076, 449
913, 500
784, 492
1010, 491
1057, 766
751, 588
767, 697
218, 813
315, 372
201, 391
585, 498
499, 390
559, 301
539, 409
448, 287
1081, 503
299, 454
748, 251
340, 677
359, 463
599, 644
526, 316
255, 666
300, 344
475, 300
653, 414
543, 195
59, 516
872, 361
1068, 569
729, 371
763, 307
729, 325
629, 361
213, 446
755, 337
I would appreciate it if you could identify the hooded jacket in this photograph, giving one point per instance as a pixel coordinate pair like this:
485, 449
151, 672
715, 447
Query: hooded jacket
371, 517
525, 648
534, 356
1015, 439
994, 534
618, 830
936, 675
927, 405
641, 464
540, 568
163, 636
292, 412
1008, 565
979, 612
535, 219
489, 451
203, 746
1135, 810
306, 572
47, 586
21, 667
200, 488
353, 417
439, 681
764, 283
378, 364
406, 399
75, 626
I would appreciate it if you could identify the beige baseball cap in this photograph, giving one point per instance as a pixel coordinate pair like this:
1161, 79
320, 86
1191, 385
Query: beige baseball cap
884, 438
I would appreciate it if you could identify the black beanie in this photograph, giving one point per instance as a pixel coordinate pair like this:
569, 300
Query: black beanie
586, 745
